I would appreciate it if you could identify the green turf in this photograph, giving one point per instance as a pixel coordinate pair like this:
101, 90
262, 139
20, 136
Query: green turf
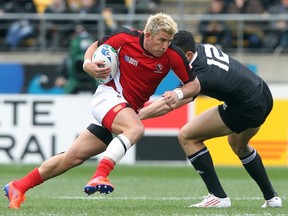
143, 190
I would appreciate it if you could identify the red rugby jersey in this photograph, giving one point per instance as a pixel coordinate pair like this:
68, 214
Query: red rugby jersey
140, 72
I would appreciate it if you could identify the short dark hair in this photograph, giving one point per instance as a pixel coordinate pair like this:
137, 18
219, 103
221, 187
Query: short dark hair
185, 41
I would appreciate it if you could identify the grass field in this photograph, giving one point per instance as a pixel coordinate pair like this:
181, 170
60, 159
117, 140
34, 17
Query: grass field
143, 190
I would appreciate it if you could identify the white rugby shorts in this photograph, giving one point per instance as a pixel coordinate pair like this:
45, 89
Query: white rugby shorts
104, 99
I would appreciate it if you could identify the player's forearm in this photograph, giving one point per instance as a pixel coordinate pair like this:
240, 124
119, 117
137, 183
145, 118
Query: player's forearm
191, 89
160, 108
88, 58
157, 108
90, 50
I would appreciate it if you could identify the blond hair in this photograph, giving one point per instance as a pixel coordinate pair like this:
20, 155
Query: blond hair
160, 22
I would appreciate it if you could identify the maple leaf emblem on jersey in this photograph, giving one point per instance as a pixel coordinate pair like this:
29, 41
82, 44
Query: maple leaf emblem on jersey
159, 68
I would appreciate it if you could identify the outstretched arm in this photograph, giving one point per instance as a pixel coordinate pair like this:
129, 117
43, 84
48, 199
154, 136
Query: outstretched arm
159, 108
189, 90
171, 100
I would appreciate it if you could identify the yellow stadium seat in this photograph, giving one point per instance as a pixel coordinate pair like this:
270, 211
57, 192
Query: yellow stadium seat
41, 5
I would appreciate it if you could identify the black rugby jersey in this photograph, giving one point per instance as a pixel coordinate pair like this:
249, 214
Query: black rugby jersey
224, 78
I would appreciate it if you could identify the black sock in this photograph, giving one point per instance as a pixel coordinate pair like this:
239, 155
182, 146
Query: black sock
203, 164
254, 166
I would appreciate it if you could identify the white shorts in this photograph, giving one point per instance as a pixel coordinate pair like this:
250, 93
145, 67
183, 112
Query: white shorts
105, 99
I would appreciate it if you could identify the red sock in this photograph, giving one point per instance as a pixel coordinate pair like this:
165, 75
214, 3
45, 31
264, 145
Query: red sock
104, 168
31, 180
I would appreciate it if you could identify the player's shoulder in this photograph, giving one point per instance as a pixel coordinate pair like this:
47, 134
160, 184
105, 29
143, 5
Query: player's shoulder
210, 51
200, 48
122, 32
174, 50
128, 31
201, 55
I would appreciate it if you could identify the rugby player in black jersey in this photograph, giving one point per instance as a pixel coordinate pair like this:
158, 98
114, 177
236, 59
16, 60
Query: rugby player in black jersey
247, 103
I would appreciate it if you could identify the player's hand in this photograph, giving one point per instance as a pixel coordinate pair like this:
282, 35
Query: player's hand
97, 69
171, 98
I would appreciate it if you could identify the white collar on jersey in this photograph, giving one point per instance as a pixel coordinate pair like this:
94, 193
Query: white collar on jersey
193, 59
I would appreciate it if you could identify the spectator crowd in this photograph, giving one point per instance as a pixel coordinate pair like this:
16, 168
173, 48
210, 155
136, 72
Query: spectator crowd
24, 32
257, 35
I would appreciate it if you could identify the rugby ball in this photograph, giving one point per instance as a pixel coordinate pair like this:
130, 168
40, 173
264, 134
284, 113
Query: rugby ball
109, 56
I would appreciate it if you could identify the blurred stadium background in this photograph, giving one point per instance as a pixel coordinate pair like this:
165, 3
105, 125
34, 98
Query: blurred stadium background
45, 96
45, 99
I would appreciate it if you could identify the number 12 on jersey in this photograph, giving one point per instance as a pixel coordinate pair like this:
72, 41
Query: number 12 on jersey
216, 57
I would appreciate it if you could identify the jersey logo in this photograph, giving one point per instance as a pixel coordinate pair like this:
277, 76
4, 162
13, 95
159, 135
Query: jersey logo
130, 60
159, 68
200, 172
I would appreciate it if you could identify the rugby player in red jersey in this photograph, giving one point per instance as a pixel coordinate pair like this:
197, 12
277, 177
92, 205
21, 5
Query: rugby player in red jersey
145, 58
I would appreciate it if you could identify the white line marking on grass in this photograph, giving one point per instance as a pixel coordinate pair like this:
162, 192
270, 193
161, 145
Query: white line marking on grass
144, 198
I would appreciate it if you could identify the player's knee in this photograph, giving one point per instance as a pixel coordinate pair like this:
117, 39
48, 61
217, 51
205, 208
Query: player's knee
141, 130
183, 137
137, 132
234, 145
